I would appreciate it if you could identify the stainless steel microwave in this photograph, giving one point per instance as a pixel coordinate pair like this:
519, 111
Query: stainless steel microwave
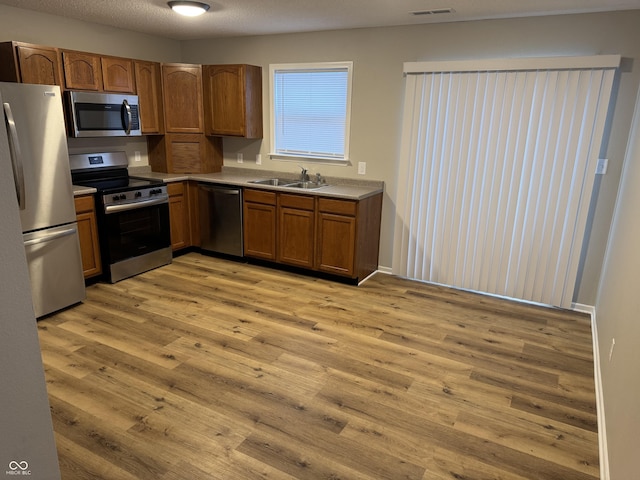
93, 114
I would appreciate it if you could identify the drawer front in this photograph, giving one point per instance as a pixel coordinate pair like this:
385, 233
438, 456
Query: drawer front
175, 188
84, 204
259, 196
303, 202
340, 207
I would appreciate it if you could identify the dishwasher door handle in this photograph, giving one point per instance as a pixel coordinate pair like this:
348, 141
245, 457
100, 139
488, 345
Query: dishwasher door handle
224, 191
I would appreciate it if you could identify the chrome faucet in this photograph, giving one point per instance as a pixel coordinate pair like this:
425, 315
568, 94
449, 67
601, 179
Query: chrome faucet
304, 177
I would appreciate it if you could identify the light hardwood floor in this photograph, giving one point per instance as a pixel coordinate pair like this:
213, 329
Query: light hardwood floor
210, 369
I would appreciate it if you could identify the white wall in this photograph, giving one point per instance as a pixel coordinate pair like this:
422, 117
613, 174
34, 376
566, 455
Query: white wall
618, 317
378, 55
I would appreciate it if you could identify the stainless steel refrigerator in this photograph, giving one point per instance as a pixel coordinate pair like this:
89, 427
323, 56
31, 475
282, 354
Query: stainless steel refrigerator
40, 169
27, 444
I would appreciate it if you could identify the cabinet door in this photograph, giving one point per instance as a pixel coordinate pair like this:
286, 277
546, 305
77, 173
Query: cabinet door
117, 75
233, 100
82, 71
182, 94
88, 235
178, 215
185, 153
39, 65
296, 230
259, 221
148, 82
336, 244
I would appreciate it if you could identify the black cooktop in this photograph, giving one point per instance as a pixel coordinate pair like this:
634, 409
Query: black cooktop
110, 180
110, 185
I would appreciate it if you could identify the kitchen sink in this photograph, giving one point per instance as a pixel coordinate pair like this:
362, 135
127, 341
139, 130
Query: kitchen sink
276, 182
307, 185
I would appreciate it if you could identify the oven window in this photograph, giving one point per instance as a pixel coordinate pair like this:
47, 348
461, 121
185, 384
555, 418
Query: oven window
137, 232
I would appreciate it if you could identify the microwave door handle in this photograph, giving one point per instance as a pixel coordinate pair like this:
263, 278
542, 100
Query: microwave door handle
16, 155
127, 123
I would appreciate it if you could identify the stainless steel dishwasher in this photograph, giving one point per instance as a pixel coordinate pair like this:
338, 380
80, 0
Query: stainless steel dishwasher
220, 219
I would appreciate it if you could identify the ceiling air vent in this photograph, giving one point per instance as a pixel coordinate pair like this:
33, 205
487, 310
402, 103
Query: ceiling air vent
435, 11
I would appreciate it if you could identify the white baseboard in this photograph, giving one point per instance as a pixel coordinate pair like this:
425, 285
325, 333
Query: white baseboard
602, 429
385, 270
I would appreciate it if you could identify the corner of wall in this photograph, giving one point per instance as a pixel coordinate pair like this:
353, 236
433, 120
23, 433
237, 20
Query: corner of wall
602, 429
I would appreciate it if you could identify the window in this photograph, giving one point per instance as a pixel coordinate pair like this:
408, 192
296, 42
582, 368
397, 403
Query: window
310, 110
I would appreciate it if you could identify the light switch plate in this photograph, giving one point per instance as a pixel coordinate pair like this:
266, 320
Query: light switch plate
362, 168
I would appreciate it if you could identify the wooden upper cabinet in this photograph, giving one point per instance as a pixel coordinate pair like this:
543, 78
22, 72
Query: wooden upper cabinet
182, 95
149, 85
82, 71
118, 75
27, 63
233, 100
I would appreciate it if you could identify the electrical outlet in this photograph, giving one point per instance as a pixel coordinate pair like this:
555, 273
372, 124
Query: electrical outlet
136, 156
601, 168
613, 344
258, 159
240, 158
362, 168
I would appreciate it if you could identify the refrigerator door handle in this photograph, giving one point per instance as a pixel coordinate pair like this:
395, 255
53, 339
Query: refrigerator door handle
50, 237
16, 155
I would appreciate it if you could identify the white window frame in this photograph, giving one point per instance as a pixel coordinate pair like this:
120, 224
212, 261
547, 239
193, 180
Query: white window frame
319, 66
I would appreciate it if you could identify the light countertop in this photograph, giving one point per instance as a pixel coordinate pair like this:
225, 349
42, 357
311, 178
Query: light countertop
336, 187
79, 190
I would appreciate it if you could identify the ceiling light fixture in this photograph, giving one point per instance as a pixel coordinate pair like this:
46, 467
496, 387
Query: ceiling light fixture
189, 9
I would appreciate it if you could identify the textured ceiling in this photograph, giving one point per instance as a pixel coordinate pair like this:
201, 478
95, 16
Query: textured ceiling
259, 17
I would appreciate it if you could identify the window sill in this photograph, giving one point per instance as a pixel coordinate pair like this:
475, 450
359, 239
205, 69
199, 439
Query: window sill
314, 160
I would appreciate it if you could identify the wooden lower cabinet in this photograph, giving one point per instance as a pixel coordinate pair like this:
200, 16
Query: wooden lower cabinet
259, 224
336, 243
329, 235
88, 234
296, 230
179, 215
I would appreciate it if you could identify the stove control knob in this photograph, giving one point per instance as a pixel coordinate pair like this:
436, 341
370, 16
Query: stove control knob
138, 194
115, 198
123, 196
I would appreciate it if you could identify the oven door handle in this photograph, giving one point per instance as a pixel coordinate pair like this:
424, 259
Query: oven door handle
135, 205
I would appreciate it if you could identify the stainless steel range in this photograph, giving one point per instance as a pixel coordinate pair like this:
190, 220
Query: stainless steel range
133, 214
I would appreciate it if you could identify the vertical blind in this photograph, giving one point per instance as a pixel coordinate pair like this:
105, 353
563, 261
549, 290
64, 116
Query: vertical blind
497, 167
311, 110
